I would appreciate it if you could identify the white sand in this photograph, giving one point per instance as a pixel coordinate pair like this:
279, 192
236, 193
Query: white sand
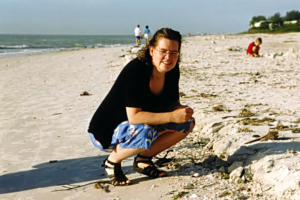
44, 118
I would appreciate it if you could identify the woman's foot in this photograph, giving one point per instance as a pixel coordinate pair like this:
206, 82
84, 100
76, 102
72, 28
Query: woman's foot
114, 173
144, 165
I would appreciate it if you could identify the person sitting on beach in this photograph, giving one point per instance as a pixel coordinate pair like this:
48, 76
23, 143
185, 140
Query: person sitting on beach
146, 34
253, 48
142, 113
137, 33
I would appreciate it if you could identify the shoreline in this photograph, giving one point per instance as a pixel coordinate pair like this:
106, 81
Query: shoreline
47, 51
44, 118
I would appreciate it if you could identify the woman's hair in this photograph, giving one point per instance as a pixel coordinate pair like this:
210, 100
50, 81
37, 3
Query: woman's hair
144, 53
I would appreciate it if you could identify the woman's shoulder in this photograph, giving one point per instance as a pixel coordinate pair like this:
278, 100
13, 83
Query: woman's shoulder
138, 66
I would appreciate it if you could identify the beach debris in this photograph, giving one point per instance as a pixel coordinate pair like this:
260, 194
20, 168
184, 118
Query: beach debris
233, 48
100, 185
257, 122
223, 175
85, 93
296, 130
272, 135
57, 114
219, 108
182, 95
53, 161
188, 186
153, 186
246, 113
194, 196
207, 185
224, 193
244, 130
180, 195
293, 152
204, 95
171, 192
230, 48
195, 175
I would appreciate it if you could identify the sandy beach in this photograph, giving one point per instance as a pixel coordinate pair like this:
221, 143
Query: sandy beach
44, 118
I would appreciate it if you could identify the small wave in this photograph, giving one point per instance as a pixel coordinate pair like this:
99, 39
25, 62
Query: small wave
14, 46
78, 45
116, 45
107, 45
95, 46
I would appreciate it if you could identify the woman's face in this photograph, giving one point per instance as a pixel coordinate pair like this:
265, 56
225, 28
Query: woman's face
165, 55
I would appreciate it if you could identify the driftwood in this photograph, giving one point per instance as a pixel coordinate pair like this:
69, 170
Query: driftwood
100, 184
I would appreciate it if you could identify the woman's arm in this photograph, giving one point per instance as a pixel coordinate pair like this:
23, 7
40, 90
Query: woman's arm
179, 115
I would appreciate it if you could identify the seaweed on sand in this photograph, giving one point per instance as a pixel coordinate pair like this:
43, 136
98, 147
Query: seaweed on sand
219, 108
256, 122
244, 129
246, 113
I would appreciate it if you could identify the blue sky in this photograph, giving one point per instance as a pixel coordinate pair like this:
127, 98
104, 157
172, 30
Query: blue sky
120, 17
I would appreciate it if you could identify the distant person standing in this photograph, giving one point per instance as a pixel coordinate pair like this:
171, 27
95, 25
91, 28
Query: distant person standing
137, 33
253, 48
146, 34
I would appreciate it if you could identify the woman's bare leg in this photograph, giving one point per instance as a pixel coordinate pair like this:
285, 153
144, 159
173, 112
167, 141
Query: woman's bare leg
119, 154
165, 140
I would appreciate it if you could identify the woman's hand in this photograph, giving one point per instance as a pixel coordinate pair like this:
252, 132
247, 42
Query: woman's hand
182, 114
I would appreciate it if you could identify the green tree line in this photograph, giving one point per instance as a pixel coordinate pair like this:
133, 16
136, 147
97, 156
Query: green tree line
277, 22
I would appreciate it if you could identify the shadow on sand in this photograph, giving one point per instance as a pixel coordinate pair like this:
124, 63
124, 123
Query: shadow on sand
62, 172
72, 171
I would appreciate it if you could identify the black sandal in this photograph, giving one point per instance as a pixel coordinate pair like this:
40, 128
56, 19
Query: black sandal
118, 176
151, 170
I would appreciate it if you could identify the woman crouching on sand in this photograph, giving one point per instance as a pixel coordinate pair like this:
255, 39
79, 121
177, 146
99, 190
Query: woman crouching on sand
142, 113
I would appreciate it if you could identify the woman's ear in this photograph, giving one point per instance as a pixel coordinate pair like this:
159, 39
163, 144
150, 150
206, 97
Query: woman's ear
151, 51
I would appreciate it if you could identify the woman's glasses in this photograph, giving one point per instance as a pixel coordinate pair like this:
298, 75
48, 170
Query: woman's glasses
171, 53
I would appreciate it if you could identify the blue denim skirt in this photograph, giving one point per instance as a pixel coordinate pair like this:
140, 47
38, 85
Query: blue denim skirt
139, 135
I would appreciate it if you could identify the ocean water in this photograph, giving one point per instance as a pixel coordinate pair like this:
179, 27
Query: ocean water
20, 45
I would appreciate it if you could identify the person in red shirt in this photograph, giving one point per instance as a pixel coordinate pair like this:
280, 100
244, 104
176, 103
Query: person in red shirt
253, 48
